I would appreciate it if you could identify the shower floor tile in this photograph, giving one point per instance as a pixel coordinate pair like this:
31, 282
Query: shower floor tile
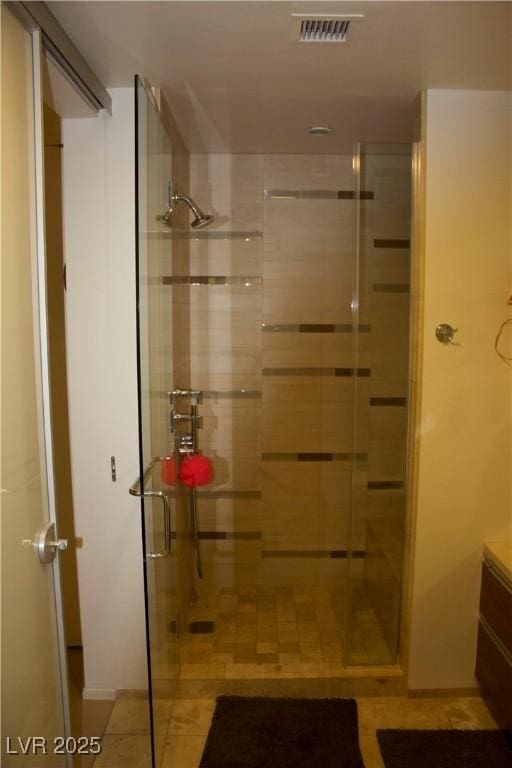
266, 626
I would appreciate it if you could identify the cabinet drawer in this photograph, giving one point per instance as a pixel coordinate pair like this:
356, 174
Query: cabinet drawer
494, 673
496, 605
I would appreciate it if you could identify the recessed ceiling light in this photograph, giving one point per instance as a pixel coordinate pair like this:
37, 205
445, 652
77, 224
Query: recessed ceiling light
319, 130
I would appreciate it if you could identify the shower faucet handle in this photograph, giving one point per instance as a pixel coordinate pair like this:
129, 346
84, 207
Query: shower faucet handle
193, 418
195, 394
174, 418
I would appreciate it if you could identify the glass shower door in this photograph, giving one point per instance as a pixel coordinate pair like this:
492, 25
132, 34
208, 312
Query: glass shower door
155, 356
381, 305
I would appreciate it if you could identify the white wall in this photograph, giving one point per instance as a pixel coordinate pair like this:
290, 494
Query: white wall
99, 233
464, 455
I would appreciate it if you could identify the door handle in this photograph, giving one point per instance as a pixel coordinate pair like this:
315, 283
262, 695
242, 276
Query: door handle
45, 543
137, 490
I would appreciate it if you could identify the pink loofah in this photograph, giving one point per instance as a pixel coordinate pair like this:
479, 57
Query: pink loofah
196, 470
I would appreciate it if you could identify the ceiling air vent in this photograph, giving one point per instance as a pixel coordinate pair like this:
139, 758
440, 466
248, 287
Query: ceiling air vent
333, 28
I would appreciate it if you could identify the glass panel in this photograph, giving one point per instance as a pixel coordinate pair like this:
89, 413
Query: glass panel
32, 698
271, 337
381, 304
155, 350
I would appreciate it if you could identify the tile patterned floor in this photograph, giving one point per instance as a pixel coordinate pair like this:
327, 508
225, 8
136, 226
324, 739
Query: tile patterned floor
182, 732
273, 642
280, 625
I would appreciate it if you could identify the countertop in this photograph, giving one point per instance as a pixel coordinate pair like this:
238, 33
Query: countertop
500, 552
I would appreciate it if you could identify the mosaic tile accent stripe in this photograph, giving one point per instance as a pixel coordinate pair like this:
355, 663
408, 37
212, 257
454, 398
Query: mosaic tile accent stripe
235, 234
314, 328
247, 281
361, 372
228, 494
391, 243
229, 535
315, 372
315, 194
226, 394
206, 235
388, 401
385, 485
313, 456
391, 287
232, 394
337, 554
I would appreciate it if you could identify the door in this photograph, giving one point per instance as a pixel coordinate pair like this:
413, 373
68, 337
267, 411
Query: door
34, 708
155, 370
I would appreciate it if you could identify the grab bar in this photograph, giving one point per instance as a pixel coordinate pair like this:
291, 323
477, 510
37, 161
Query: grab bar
137, 490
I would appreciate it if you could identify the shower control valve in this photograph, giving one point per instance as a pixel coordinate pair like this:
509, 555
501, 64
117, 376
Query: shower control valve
175, 418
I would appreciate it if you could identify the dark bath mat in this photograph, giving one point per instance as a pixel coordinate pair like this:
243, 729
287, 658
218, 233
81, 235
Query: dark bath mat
261, 732
445, 749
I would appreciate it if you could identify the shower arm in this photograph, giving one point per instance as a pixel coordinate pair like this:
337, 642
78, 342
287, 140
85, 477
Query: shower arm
200, 218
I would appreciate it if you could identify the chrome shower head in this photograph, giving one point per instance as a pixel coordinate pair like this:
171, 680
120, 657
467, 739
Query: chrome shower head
201, 219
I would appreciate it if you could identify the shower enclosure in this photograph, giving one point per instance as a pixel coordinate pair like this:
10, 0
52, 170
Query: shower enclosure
290, 315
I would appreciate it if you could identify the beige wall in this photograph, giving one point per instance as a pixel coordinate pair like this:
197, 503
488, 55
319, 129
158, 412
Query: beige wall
463, 471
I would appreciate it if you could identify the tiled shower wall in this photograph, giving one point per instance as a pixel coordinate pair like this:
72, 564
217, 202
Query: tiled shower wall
272, 347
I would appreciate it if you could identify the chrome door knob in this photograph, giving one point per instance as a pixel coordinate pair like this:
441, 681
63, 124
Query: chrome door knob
45, 546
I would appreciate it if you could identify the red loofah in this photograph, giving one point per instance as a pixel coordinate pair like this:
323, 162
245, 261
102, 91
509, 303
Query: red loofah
168, 470
196, 470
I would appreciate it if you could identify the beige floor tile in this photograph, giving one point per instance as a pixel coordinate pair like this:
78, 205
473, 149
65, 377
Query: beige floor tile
202, 671
132, 716
184, 752
401, 713
304, 669
469, 713
222, 658
191, 717
196, 689
251, 671
122, 751
311, 652
331, 653
370, 750
289, 658
266, 647
89, 717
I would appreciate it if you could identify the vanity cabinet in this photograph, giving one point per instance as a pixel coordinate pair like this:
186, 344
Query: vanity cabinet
494, 649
